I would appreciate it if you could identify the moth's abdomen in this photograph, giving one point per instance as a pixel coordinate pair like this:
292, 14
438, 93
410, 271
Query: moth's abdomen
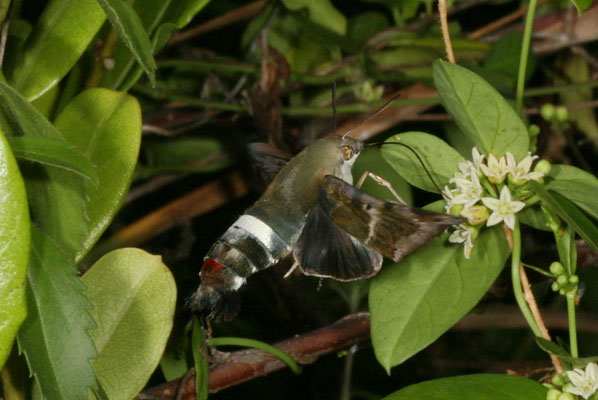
248, 246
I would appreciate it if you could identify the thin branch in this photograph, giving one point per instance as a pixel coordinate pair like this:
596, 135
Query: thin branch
445, 31
236, 15
499, 23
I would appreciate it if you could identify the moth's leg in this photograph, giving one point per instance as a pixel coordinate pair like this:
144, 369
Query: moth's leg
380, 181
290, 271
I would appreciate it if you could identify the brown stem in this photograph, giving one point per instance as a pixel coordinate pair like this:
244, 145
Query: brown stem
244, 365
450, 55
236, 15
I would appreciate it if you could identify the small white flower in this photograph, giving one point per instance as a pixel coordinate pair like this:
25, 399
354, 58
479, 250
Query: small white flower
462, 235
585, 383
503, 209
470, 191
478, 158
520, 172
496, 170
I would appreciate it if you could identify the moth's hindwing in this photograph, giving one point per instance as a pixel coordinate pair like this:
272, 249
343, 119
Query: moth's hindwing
325, 250
392, 229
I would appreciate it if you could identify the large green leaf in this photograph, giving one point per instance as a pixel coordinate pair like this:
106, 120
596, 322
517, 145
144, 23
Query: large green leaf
577, 185
54, 153
54, 336
134, 296
415, 301
56, 198
59, 38
474, 387
105, 126
130, 28
439, 158
480, 111
14, 248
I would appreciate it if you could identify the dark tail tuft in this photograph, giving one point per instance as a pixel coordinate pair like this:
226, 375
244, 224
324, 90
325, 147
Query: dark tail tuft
216, 305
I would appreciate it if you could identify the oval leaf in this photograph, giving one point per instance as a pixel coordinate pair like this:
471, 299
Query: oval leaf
59, 38
474, 387
439, 158
480, 111
54, 336
577, 185
54, 153
415, 301
105, 126
14, 248
134, 295
126, 21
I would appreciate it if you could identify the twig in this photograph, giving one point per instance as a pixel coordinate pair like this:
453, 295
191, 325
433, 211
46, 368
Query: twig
3, 37
445, 31
244, 365
499, 23
239, 14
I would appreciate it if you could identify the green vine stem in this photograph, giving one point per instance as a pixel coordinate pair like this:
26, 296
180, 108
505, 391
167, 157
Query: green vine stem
233, 341
572, 324
516, 279
527, 36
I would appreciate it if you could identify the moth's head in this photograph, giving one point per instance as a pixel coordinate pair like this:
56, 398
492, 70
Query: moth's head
347, 148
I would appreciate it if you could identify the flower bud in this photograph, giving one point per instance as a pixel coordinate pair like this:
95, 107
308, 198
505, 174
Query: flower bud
456, 209
553, 394
558, 380
561, 114
566, 396
556, 268
562, 280
476, 215
534, 130
555, 286
547, 111
574, 279
543, 166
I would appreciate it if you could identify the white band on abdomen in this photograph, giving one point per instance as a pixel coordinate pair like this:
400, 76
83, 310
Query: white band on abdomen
262, 232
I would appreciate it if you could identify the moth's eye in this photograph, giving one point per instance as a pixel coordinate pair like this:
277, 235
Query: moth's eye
348, 152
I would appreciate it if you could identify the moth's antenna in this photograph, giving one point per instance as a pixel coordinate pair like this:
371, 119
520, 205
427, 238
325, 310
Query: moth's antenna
375, 113
418, 158
334, 102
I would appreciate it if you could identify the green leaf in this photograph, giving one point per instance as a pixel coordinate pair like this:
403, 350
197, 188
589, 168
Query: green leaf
105, 126
134, 296
61, 35
126, 21
505, 54
56, 197
181, 12
480, 111
439, 158
202, 367
14, 248
577, 185
569, 212
474, 387
582, 5
54, 153
534, 217
321, 12
154, 15
556, 350
54, 336
415, 301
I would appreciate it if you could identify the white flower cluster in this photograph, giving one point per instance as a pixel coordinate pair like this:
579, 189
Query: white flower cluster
585, 383
478, 181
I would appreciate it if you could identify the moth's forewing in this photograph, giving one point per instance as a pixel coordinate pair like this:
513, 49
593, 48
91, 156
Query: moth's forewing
392, 229
325, 250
